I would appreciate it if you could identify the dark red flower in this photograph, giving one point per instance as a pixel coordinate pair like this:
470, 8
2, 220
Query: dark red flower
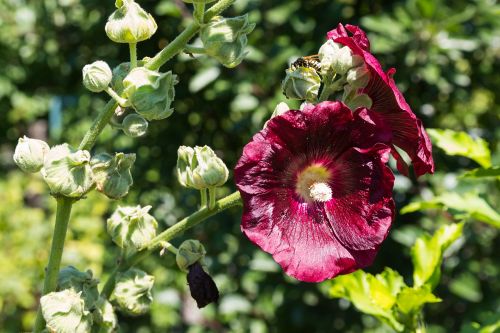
316, 192
201, 285
389, 103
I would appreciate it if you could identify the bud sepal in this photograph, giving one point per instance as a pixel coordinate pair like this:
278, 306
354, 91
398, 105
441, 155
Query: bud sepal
112, 174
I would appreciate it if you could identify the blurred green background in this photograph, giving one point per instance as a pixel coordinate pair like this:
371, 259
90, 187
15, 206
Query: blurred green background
447, 58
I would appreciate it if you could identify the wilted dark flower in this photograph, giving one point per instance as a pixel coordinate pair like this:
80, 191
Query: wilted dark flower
316, 192
389, 103
202, 286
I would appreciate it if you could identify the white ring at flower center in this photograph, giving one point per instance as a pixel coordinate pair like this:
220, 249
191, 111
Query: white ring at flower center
320, 192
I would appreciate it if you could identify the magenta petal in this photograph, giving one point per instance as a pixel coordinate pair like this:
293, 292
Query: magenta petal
301, 231
362, 209
407, 130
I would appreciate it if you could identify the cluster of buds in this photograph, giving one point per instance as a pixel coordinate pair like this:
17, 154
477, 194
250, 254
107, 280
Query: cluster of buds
72, 173
334, 69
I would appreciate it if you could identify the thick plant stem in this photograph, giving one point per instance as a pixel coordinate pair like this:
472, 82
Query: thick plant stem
52, 271
133, 55
201, 215
199, 12
98, 125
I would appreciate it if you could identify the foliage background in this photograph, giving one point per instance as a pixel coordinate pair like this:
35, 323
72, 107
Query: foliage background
447, 57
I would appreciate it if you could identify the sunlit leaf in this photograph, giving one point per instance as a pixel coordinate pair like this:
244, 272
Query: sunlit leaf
492, 172
410, 300
461, 144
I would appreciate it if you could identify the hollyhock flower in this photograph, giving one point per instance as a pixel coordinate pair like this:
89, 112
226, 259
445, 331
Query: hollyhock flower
316, 191
389, 103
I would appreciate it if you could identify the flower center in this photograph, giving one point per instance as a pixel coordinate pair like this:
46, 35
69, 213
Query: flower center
312, 184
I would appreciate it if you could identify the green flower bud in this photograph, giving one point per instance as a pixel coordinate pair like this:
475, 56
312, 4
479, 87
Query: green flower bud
358, 77
82, 282
150, 93
200, 168
190, 252
96, 76
225, 39
112, 174
30, 154
67, 171
131, 228
130, 23
134, 125
301, 83
133, 292
105, 317
64, 312
337, 59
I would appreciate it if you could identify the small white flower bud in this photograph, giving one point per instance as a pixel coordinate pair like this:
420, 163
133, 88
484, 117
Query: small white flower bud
112, 175
134, 125
133, 292
82, 282
64, 311
30, 153
67, 171
337, 59
105, 317
130, 23
131, 228
96, 76
358, 77
301, 83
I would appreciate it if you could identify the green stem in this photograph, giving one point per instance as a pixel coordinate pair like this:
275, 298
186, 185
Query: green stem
201, 215
98, 125
199, 12
133, 55
178, 44
211, 197
52, 271
168, 246
194, 49
331, 87
120, 100
203, 193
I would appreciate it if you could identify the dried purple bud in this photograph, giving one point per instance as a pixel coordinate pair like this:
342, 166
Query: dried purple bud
202, 286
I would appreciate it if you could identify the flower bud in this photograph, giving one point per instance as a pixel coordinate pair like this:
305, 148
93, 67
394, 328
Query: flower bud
96, 76
134, 125
337, 59
200, 168
150, 93
301, 83
67, 171
201, 285
358, 77
120, 72
133, 292
190, 252
131, 228
30, 154
225, 39
105, 317
130, 23
64, 311
112, 174
81, 282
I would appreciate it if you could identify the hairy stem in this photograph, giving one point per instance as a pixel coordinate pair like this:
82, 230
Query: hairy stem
201, 215
194, 49
98, 125
199, 12
133, 55
52, 270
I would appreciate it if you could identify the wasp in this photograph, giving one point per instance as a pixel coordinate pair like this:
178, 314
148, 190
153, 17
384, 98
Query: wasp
311, 61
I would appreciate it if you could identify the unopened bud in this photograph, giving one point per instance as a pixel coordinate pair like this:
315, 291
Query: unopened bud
130, 23
131, 228
200, 168
112, 174
134, 125
105, 317
337, 59
150, 93
64, 311
67, 171
30, 154
133, 292
96, 76
225, 39
82, 282
358, 77
190, 252
301, 83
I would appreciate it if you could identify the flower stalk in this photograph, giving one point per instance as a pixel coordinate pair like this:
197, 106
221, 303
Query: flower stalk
133, 55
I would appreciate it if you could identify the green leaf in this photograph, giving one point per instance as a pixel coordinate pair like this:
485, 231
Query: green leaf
373, 295
470, 203
410, 300
492, 172
467, 286
462, 144
427, 254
